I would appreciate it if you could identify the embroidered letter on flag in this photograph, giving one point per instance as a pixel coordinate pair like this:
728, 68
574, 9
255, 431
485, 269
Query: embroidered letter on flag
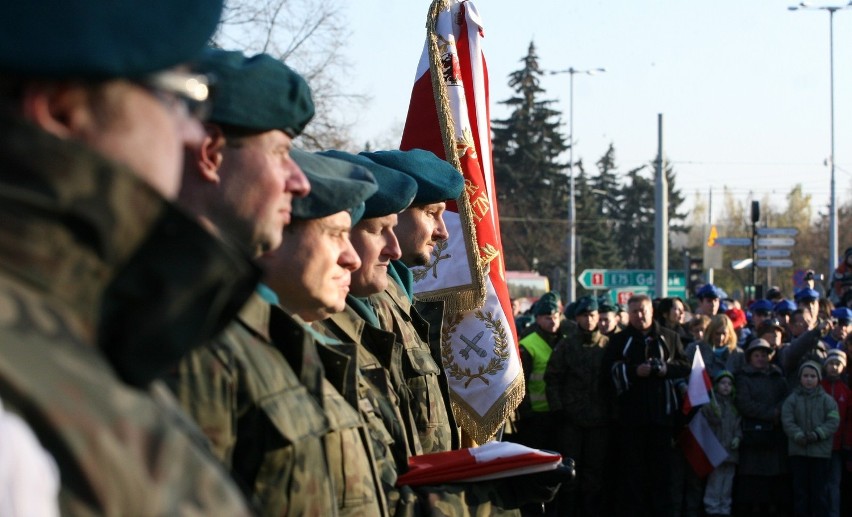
701, 447
449, 115
699, 385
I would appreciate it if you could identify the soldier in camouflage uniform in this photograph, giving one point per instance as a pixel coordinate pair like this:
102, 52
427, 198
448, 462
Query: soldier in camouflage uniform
421, 226
259, 406
103, 282
582, 411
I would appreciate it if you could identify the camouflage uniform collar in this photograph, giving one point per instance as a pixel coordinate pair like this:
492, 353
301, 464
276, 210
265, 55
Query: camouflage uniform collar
350, 321
256, 315
146, 282
398, 295
85, 237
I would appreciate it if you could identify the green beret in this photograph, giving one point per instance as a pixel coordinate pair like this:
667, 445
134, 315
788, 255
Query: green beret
585, 304
336, 186
606, 305
436, 179
547, 304
395, 193
570, 310
257, 93
102, 40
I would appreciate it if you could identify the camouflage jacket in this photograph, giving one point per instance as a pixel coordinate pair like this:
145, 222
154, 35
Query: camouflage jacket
379, 405
573, 380
82, 237
421, 375
265, 422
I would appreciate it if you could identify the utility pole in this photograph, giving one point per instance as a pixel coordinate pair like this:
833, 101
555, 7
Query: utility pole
661, 221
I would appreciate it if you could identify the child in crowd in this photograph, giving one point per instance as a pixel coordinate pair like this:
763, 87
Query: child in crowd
810, 418
697, 326
835, 385
724, 420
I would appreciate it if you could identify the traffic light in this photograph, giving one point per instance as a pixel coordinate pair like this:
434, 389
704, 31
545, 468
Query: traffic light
695, 274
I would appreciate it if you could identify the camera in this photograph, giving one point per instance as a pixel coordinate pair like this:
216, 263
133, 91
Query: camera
656, 365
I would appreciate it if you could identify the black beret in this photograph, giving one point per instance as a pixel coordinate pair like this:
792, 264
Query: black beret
336, 186
258, 93
396, 190
102, 39
436, 179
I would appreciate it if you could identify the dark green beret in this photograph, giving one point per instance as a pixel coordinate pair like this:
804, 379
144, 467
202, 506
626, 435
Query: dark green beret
570, 310
436, 179
547, 304
396, 191
585, 304
336, 186
102, 39
606, 305
257, 93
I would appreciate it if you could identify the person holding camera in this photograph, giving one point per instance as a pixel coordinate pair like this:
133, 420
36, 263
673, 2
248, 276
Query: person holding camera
641, 365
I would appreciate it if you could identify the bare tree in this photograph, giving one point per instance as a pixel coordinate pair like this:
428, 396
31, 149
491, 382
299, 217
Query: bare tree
308, 35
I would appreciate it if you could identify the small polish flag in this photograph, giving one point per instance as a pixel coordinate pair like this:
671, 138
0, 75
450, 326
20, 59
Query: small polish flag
699, 385
700, 446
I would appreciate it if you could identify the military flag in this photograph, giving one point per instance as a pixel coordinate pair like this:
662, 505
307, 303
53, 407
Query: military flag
449, 115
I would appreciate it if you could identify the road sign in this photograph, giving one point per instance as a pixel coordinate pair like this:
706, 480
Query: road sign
789, 232
733, 241
773, 253
776, 241
621, 296
740, 264
612, 278
774, 263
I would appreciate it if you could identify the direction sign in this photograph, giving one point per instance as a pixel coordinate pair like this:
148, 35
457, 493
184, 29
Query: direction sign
621, 295
776, 241
774, 263
789, 232
773, 252
733, 241
610, 278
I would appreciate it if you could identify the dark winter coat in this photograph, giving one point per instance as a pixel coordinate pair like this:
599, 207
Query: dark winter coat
760, 394
644, 400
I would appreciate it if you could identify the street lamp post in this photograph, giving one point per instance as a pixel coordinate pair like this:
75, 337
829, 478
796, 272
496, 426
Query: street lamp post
572, 212
832, 218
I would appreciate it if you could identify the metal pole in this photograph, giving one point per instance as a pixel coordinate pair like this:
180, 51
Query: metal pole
572, 214
832, 232
661, 221
709, 276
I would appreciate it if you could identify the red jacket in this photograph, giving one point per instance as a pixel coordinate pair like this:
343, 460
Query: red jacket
843, 396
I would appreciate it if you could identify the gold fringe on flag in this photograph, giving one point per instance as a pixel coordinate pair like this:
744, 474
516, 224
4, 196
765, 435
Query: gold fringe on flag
457, 298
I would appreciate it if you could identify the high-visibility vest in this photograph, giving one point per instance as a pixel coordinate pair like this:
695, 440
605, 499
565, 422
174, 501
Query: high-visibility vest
540, 351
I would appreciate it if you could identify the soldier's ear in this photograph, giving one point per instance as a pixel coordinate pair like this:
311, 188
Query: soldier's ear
210, 153
58, 108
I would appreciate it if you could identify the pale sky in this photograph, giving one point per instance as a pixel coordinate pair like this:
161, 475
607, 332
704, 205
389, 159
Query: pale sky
743, 86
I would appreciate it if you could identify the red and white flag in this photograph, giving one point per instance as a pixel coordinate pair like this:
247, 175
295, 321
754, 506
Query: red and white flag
449, 115
701, 447
697, 392
494, 460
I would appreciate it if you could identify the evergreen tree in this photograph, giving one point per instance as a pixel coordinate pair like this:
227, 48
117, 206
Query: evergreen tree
605, 184
635, 228
532, 187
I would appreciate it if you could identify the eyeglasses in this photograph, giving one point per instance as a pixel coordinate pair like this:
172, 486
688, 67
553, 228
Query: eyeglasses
191, 94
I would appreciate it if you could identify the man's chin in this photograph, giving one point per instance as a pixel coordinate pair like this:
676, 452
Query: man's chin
419, 260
